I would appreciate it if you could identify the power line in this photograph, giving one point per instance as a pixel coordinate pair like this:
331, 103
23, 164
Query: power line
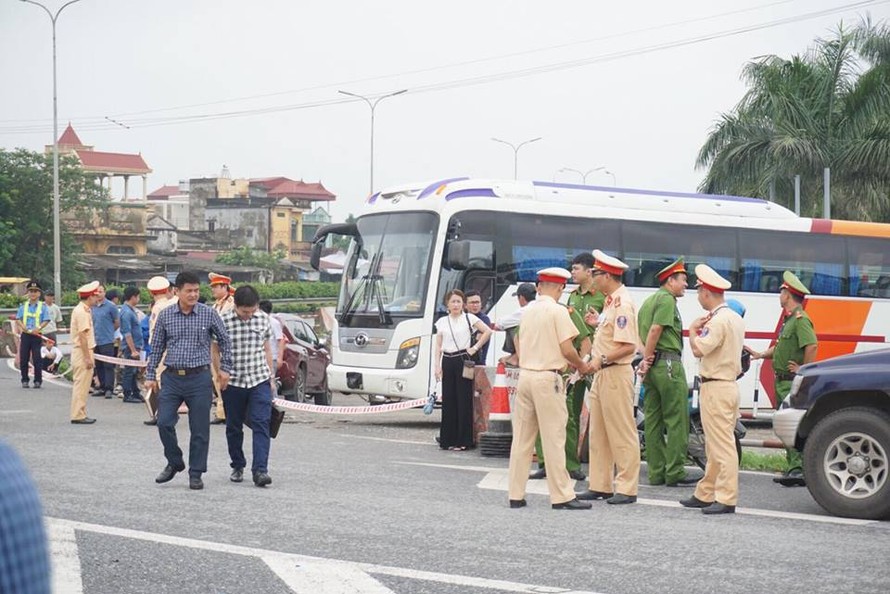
472, 81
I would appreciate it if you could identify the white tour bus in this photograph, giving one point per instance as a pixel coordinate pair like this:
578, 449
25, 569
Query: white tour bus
414, 243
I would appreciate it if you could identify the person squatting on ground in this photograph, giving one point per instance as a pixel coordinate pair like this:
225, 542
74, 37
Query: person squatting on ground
106, 321
481, 385
221, 290
131, 344
50, 356
183, 334
614, 443
454, 346
248, 397
795, 346
666, 403
83, 346
31, 318
545, 337
581, 300
717, 340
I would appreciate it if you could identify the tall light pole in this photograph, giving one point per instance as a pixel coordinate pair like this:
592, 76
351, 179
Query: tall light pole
57, 240
373, 105
583, 174
516, 148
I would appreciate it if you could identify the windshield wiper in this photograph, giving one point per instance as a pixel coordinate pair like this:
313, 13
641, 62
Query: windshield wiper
351, 305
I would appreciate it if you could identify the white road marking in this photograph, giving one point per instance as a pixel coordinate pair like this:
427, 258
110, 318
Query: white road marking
497, 479
65, 559
302, 573
15, 412
335, 577
408, 441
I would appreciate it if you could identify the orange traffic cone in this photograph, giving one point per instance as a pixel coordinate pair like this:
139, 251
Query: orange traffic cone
499, 437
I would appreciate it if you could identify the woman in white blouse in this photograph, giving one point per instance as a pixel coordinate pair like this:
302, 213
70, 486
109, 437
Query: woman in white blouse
454, 345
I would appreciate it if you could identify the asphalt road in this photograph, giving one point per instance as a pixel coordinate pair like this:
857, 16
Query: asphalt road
370, 504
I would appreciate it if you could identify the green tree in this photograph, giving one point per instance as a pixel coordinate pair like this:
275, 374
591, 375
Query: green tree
829, 107
245, 256
26, 213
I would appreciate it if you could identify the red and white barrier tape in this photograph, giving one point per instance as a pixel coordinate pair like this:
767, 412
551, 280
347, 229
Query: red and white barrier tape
348, 410
119, 361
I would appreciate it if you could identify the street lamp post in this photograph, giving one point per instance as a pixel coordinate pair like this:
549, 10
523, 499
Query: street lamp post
373, 105
516, 148
583, 174
57, 240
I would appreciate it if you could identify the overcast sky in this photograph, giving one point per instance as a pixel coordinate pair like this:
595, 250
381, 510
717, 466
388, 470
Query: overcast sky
576, 73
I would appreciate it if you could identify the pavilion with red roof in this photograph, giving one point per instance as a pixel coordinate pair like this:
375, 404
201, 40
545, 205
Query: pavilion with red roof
105, 165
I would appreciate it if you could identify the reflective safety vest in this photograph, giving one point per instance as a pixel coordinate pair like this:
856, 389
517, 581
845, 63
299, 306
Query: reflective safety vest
36, 314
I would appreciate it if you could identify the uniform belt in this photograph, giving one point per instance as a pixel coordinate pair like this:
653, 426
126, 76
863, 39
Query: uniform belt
541, 370
666, 356
785, 376
705, 380
187, 370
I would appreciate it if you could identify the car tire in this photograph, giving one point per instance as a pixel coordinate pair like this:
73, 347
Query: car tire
298, 392
846, 461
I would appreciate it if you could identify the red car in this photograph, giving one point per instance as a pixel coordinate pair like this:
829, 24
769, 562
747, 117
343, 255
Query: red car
304, 368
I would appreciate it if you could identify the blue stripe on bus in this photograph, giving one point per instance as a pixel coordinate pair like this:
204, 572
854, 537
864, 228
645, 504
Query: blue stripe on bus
433, 187
546, 184
373, 198
477, 192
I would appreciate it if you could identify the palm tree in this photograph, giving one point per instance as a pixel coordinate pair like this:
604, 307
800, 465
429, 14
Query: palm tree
827, 108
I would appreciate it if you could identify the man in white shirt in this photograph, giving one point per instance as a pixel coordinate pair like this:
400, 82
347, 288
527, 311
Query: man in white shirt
276, 343
50, 356
55, 315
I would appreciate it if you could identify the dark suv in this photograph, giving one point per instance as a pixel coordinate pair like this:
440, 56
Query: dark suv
838, 415
304, 368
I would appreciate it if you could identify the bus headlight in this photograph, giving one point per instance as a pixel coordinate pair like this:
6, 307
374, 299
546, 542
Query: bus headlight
409, 351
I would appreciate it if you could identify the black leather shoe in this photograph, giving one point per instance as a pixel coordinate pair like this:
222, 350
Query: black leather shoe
150, 422
593, 495
621, 498
261, 479
577, 475
38, 385
83, 421
168, 473
132, 400
792, 478
26, 385
517, 503
217, 421
195, 483
572, 504
97, 393
109, 395
718, 508
237, 475
537, 475
695, 502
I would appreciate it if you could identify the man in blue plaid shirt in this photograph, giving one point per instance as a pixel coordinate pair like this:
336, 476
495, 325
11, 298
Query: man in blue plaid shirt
248, 396
183, 331
24, 555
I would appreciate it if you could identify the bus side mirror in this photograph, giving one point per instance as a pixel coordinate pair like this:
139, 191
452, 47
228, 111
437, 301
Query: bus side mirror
458, 255
315, 255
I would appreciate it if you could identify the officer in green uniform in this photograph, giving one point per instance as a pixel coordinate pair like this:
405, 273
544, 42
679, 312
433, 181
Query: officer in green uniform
583, 299
665, 402
795, 346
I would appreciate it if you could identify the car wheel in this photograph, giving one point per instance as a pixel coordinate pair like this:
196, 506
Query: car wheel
847, 461
323, 398
298, 392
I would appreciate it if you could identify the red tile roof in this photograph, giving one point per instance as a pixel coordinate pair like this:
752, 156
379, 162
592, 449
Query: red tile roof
282, 187
69, 137
112, 162
164, 192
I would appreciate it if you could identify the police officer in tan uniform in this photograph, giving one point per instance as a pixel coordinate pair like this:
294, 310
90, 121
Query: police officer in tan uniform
614, 444
717, 339
162, 296
83, 341
546, 333
220, 289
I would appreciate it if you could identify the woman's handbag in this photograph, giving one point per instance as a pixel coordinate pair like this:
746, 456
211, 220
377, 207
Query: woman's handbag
469, 370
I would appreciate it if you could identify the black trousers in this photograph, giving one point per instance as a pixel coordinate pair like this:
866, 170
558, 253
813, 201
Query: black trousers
105, 371
29, 351
456, 429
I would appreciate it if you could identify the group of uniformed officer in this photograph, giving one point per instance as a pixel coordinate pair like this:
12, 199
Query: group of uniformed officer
553, 336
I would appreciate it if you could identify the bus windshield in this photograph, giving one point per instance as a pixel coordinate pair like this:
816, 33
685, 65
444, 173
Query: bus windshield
387, 270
